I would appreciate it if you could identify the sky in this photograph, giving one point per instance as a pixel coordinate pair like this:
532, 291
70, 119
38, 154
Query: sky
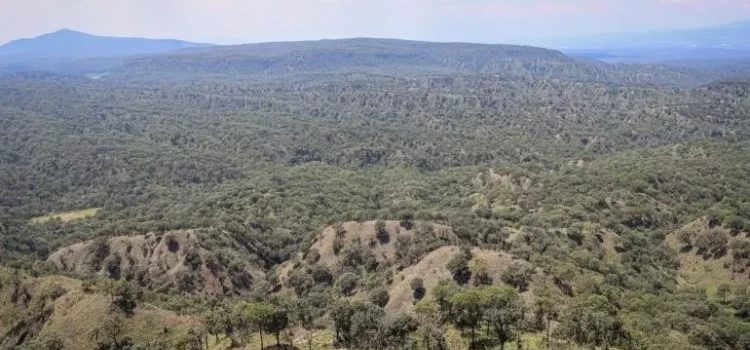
246, 21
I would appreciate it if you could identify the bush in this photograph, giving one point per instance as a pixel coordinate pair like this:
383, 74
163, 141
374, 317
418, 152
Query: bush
338, 243
459, 267
742, 304
518, 274
346, 283
313, 255
417, 287
381, 233
407, 221
56, 291
339, 230
379, 296
712, 243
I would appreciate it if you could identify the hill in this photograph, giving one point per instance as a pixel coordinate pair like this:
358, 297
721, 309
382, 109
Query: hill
393, 57
71, 52
188, 261
50, 50
385, 205
76, 315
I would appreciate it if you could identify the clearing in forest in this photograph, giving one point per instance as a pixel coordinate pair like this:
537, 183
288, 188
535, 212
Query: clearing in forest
66, 216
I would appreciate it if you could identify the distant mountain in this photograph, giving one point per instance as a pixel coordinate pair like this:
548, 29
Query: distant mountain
392, 57
51, 49
726, 42
344, 56
72, 44
358, 54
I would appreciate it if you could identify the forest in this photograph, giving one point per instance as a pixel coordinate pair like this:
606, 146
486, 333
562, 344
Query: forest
244, 199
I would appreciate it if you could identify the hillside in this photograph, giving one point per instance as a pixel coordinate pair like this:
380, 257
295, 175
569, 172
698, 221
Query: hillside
61, 310
178, 260
711, 255
373, 194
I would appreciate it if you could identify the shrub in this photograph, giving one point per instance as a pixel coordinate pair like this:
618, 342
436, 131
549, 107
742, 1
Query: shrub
459, 267
406, 221
381, 233
417, 287
338, 243
518, 274
346, 283
712, 243
379, 296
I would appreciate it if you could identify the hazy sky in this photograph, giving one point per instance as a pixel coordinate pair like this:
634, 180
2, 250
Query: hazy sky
240, 21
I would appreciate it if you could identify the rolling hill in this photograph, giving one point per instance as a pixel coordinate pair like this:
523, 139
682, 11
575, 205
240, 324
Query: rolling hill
72, 52
393, 57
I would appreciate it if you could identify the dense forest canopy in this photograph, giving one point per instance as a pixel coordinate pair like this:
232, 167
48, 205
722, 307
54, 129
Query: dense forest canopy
382, 194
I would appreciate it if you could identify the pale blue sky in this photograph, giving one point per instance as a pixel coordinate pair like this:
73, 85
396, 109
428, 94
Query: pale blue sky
241, 21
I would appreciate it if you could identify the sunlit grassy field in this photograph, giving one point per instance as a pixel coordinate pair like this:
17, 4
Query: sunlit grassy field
67, 215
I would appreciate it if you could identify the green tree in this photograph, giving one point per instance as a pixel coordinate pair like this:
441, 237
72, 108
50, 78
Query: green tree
217, 322
381, 232
712, 243
399, 329
276, 321
367, 327
123, 295
504, 309
346, 283
468, 310
480, 272
545, 308
592, 320
518, 274
443, 293
109, 335
256, 316
459, 267
430, 332
341, 314
304, 316
379, 296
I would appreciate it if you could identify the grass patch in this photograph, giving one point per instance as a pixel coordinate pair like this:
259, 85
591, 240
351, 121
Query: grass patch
66, 216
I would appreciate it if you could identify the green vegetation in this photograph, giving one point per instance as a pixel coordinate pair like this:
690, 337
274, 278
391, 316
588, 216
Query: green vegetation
529, 210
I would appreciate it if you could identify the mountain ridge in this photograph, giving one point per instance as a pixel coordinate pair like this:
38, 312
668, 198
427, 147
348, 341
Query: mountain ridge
52, 51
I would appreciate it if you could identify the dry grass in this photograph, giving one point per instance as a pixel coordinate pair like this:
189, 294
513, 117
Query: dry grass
66, 216
162, 256
431, 269
364, 232
321, 339
77, 313
695, 271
